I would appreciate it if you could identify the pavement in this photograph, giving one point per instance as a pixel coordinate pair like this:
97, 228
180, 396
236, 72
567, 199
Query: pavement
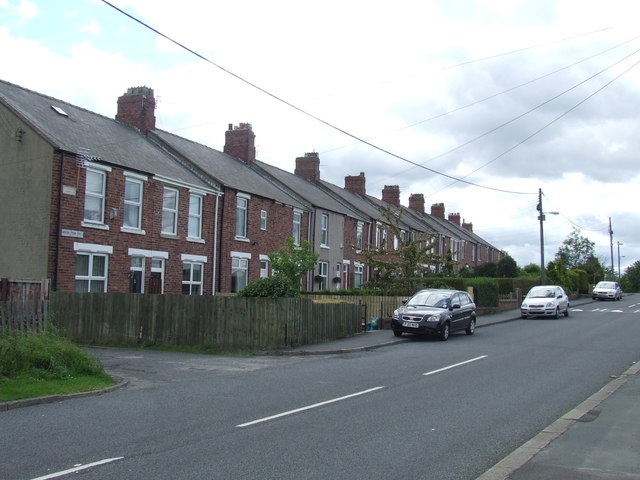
597, 440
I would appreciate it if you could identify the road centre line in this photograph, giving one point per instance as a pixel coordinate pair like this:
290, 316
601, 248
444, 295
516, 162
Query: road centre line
309, 407
79, 468
433, 372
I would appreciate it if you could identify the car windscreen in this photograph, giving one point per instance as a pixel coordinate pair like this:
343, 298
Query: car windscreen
430, 299
541, 293
605, 285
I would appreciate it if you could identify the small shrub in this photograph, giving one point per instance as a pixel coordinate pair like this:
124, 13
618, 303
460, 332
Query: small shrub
271, 287
43, 355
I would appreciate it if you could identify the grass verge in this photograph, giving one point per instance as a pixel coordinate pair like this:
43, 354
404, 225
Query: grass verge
45, 363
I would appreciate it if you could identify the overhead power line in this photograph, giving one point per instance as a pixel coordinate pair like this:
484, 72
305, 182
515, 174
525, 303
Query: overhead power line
315, 117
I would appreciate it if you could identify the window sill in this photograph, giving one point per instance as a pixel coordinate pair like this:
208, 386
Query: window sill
136, 231
242, 239
99, 226
327, 247
170, 235
195, 240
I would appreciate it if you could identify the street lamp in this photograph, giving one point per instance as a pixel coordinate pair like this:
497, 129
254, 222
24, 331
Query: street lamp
541, 218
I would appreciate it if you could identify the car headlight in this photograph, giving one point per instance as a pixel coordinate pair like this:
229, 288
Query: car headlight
550, 305
525, 305
396, 313
432, 318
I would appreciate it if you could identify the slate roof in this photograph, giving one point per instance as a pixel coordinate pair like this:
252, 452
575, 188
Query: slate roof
80, 131
230, 171
308, 190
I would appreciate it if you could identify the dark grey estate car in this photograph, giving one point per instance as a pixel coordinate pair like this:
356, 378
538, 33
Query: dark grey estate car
435, 312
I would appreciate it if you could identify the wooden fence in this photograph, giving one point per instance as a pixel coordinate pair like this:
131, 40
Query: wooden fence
220, 322
23, 304
377, 308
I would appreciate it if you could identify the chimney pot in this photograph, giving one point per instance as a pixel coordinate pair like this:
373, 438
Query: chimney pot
356, 184
240, 142
137, 109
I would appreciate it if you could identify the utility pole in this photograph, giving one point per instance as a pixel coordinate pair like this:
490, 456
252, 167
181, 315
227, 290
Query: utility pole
611, 245
541, 218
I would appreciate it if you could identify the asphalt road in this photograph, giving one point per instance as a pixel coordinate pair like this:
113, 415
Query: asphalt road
421, 409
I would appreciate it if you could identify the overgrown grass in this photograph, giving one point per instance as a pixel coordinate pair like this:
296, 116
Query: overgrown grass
45, 363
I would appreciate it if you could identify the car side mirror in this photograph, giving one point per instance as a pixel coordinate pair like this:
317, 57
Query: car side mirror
404, 302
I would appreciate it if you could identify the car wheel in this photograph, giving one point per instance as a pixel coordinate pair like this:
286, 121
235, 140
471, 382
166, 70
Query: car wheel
472, 327
444, 334
523, 316
557, 314
566, 312
397, 333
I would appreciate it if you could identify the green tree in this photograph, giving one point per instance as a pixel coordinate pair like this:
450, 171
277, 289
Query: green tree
575, 250
556, 274
631, 278
406, 257
293, 261
487, 269
594, 269
507, 267
532, 270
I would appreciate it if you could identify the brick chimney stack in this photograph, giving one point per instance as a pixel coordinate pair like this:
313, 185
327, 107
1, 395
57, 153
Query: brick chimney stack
391, 194
454, 218
467, 226
356, 184
137, 109
437, 210
308, 167
416, 202
240, 142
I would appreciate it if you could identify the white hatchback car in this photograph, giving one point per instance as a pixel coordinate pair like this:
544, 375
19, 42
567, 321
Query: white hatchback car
607, 290
545, 301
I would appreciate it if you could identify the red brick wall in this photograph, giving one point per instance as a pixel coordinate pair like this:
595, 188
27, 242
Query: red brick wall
62, 267
261, 242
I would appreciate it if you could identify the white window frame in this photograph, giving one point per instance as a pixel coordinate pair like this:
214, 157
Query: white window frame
264, 266
263, 219
242, 216
195, 215
239, 263
324, 230
93, 250
191, 283
100, 196
323, 271
358, 274
173, 211
133, 204
297, 226
359, 235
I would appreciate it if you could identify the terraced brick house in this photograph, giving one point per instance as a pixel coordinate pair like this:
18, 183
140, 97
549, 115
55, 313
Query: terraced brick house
117, 205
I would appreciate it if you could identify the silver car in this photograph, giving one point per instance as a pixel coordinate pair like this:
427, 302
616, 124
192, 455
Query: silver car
607, 291
545, 301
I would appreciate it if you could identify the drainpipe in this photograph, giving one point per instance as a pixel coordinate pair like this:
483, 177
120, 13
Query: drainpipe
56, 258
215, 249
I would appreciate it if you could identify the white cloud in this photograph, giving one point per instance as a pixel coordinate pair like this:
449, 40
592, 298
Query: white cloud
27, 10
389, 73
91, 27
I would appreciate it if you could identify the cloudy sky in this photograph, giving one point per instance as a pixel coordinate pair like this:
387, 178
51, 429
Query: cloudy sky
475, 104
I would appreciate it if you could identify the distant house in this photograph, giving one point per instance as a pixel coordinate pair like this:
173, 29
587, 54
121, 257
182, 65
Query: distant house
116, 205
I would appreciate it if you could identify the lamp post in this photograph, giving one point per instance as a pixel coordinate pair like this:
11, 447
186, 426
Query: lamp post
541, 219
